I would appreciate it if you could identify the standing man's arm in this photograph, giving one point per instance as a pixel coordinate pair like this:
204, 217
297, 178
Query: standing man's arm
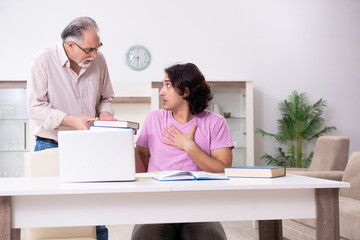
78, 122
39, 107
105, 116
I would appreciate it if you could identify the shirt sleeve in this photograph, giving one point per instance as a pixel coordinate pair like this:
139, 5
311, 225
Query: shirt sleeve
107, 93
220, 136
39, 108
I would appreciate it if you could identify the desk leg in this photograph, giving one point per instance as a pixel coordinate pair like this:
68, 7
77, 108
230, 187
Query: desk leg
327, 214
5, 214
270, 230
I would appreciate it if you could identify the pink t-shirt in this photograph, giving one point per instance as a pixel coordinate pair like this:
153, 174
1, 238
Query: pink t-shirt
212, 133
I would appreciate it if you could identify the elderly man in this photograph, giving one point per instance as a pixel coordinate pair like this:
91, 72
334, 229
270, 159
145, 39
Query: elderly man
69, 86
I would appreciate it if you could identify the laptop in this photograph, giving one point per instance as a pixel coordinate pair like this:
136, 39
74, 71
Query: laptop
97, 156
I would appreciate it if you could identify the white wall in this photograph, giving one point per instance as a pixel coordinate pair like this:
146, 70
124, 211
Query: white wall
282, 45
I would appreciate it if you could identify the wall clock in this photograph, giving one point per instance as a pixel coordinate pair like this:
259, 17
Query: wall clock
138, 57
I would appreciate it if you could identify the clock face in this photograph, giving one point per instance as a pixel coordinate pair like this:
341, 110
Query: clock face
138, 58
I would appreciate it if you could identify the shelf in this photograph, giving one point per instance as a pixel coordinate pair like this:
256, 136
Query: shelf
235, 118
14, 119
13, 84
22, 84
212, 84
13, 151
131, 100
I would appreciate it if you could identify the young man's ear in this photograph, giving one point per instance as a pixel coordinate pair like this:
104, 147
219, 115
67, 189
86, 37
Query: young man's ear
186, 93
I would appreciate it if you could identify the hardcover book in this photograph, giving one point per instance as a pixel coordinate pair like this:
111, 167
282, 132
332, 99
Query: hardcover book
95, 128
184, 175
119, 123
255, 172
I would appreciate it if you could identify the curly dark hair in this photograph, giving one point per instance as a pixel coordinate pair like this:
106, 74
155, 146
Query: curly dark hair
187, 77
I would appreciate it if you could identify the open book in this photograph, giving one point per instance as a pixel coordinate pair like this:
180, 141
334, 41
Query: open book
184, 175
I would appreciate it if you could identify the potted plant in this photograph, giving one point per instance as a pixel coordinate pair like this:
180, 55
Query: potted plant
301, 123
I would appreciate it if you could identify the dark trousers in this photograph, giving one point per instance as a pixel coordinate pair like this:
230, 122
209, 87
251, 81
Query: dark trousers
179, 231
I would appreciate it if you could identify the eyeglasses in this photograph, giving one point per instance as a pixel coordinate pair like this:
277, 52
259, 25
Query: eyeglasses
89, 50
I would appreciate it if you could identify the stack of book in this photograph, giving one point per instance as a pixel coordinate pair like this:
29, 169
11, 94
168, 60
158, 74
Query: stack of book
116, 124
255, 172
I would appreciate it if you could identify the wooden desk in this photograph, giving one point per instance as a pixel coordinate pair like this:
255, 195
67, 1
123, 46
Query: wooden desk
46, 202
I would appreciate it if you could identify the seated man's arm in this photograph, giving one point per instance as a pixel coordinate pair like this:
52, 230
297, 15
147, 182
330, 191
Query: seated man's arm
142, 156
218, 159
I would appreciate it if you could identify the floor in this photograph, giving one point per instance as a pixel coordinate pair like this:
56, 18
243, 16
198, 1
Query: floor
243, 230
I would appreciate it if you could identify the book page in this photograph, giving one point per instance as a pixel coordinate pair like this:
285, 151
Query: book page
185, 175
174, 175
206, 175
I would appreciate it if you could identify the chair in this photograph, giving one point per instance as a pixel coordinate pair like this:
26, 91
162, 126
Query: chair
329, 161
349, 209
46, 164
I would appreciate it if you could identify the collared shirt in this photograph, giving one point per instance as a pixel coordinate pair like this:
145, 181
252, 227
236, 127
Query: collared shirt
55, 90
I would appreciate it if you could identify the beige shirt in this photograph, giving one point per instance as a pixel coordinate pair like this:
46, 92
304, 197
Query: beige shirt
55, 90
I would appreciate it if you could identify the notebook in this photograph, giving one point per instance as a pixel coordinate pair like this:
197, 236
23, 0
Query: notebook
97, 156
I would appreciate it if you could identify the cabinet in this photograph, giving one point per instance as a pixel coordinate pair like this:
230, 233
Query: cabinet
130, 104
235, 97
14, 130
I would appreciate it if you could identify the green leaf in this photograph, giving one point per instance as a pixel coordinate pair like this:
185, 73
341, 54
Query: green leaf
301, 123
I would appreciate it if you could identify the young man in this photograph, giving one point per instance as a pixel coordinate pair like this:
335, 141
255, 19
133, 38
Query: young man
68, 86
183, 136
